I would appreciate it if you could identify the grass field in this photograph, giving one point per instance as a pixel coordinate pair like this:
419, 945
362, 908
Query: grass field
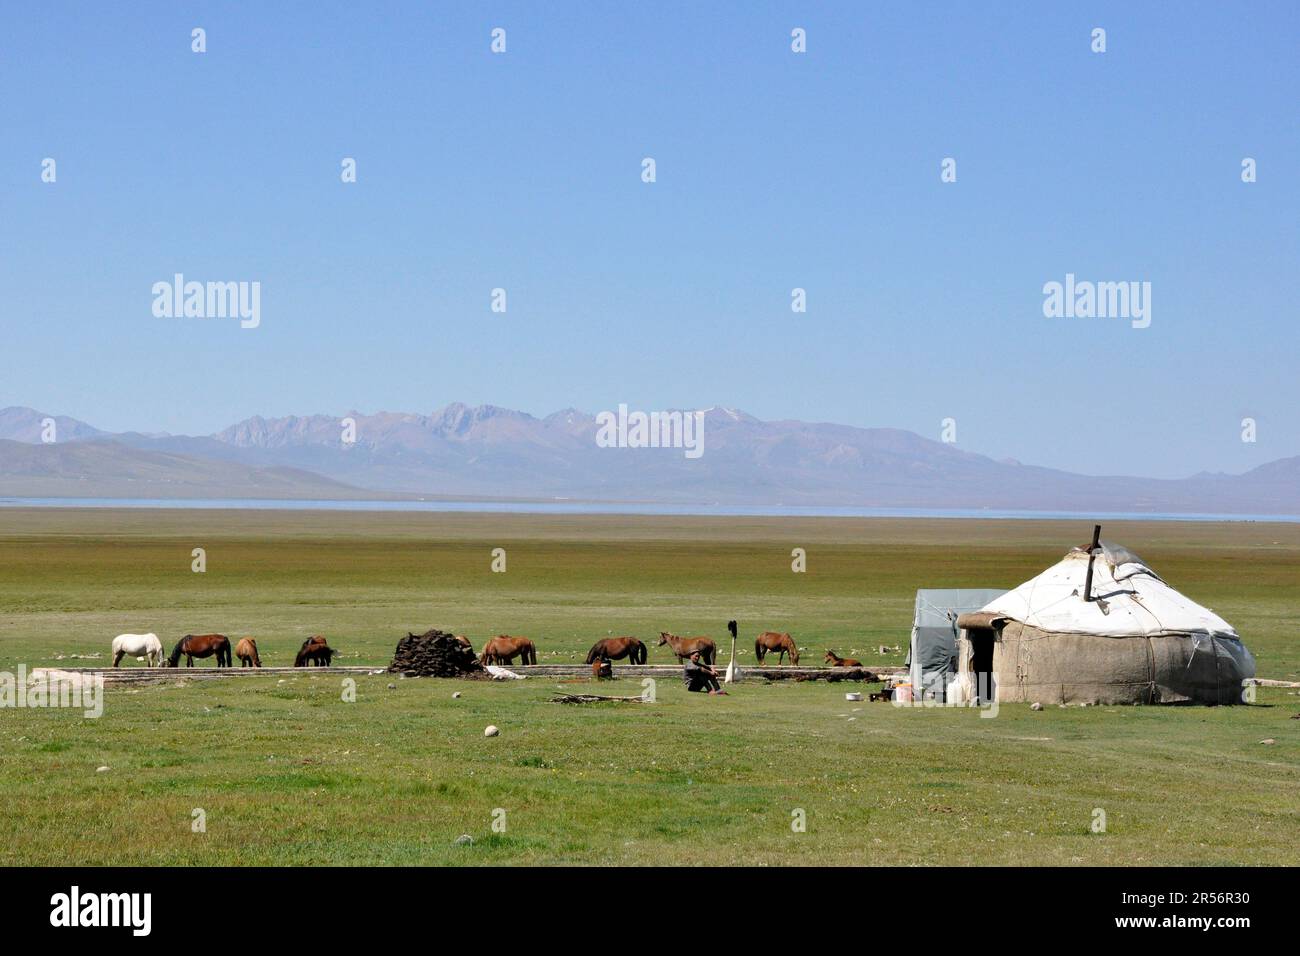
290, 773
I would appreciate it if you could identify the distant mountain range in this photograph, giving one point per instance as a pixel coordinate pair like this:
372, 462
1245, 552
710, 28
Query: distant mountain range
490, 452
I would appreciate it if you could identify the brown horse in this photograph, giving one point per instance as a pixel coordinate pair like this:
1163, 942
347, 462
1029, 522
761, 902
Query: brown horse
503, 649
684, 647
617, 648
201, 645
246, 651
315, 652
841, 661
772, 641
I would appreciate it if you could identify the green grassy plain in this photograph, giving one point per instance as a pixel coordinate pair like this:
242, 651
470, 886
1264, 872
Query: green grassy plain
287, 772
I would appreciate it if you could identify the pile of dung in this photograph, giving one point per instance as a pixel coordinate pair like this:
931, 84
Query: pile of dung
435, 654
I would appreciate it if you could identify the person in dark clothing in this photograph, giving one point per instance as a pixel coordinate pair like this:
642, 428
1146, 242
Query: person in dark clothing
699, 676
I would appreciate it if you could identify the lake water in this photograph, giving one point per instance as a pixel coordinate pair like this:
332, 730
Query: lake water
561, 507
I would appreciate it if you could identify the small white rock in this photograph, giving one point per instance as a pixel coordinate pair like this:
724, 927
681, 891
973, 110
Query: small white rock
491, 730
464, 840
392, 687
456, 696
1268, 740
100, 769
1035, 706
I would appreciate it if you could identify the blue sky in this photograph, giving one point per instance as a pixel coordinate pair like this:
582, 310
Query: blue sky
775, 170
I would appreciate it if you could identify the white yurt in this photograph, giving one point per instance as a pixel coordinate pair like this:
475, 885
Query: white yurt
1100, 627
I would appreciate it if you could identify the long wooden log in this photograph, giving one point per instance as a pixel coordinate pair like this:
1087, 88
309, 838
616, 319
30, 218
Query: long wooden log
125, 675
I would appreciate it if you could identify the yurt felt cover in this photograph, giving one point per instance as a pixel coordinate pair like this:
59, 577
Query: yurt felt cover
933, 646
1137, 640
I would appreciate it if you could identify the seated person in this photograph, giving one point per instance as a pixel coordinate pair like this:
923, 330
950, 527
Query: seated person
700, 676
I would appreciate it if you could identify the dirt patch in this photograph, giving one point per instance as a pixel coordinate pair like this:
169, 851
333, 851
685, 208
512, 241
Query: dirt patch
831, 674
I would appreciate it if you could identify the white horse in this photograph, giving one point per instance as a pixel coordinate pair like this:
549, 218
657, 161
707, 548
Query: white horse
139, 646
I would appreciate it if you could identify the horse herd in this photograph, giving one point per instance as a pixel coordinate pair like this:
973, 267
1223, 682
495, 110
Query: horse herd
501, 650
315, 651
617, 648
769, 642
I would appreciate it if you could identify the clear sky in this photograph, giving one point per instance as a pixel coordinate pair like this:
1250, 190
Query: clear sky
775, 170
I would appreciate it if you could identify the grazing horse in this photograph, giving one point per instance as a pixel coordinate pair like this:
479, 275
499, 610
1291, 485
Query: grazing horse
617, 648
246, 651
315, 652
841, 661
201, 645
772, 641
138, 645
684, 647
503, 649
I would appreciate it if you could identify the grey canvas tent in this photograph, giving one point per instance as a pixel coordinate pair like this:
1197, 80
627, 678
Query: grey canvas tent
932, 654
